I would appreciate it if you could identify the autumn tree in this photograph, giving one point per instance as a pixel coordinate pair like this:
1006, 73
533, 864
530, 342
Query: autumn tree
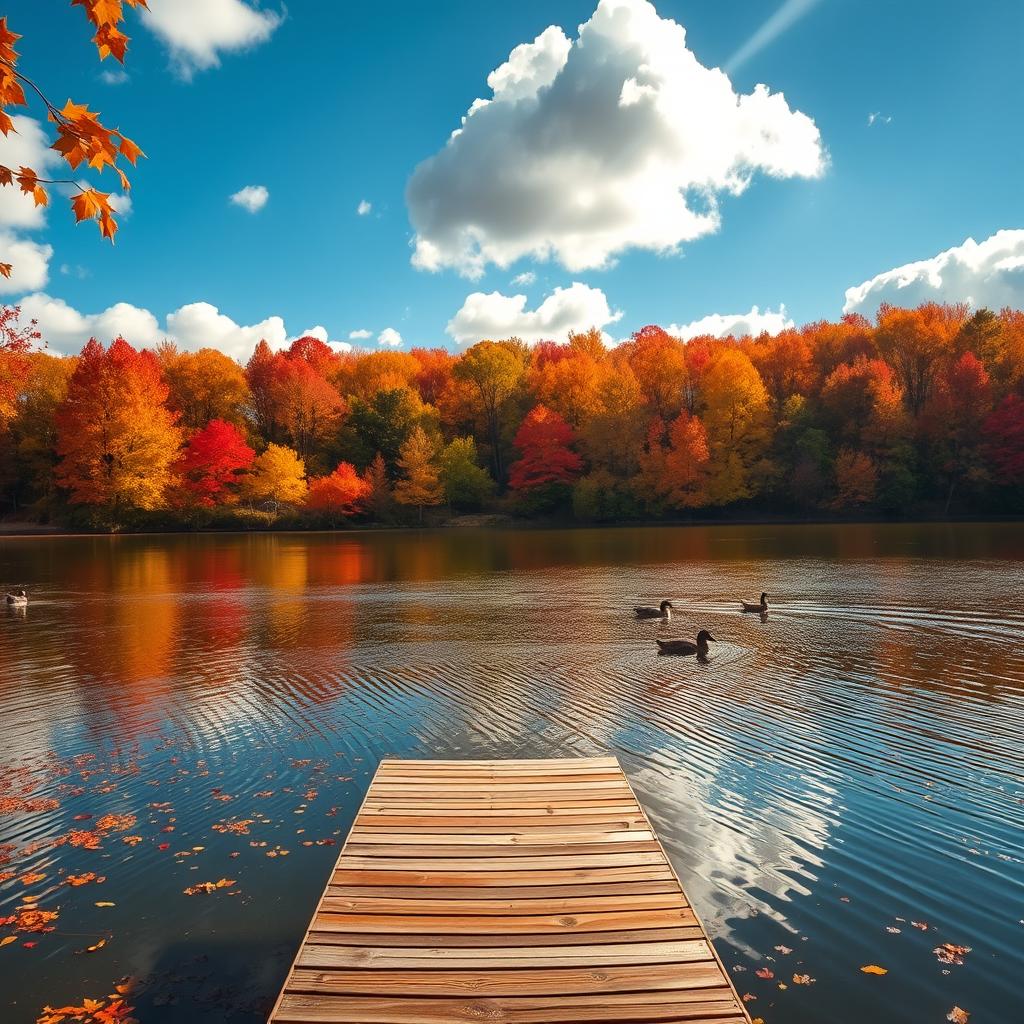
495, 371
339, 494
306, 406
259, 376
16, 341
673, 466
384, 422
1004, 440
914, 342
206, 385
856, 480
116, 438
734, 412
420, 483
32, 458
213, 462
278, 476
380, 496
659, 362
466, 484
81, 137
547, 465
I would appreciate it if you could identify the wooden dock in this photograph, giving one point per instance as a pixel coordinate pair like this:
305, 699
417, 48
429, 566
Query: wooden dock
528, 891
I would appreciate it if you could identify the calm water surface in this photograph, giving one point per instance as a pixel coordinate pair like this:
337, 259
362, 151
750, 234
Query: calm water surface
850, 766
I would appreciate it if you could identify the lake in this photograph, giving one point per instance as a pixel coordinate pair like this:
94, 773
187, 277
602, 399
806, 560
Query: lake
840, 785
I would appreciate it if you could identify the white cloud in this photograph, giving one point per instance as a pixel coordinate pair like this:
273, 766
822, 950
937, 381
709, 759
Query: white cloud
121, 204
720, 325
252, 198
360, 335
877, 117
494, 316
389, 336
193, 326
30, 262
525, 279
29, 146
114, 76
619, 139
787, 15
64, 329
198, 31
75, 270
364, 207
988, 273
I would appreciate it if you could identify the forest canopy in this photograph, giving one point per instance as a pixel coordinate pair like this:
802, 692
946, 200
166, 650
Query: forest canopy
918, 413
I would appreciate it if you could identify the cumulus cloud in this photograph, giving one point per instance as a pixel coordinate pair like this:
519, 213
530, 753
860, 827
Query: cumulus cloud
30, 262
65, 329
493, 315
619, 139
252, 198
364, 207
360, 335
720, 325
988, 273
198, 31
389, 336
26, 146
193, 326
525, 279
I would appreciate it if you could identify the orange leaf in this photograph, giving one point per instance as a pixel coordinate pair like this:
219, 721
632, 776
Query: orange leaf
6, 175
958, 1016
40, 196
5, 269
102, 904
874, 969
8, 939
129, 150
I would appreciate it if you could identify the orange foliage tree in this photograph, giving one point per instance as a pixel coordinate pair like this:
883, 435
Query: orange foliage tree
116, 438
341, 493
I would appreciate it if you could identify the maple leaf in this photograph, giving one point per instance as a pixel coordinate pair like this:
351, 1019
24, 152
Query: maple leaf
6, 175
948, 953
765, 972
803, 979
128, 149
5, 269
958, 1016
874, 969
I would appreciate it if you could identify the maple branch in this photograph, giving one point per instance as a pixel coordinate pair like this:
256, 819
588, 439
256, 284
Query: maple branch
51, 181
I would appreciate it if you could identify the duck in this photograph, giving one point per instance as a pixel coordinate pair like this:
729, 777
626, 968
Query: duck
761, 607
663, 611
700, 648
18, 599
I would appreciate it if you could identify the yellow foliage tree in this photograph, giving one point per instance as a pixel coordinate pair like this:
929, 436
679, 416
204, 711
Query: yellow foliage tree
735, 415
421, 480
278, 475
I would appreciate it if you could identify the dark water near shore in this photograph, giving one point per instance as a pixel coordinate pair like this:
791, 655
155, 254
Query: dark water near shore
849, 766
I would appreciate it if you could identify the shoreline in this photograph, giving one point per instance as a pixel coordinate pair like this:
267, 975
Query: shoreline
497, 523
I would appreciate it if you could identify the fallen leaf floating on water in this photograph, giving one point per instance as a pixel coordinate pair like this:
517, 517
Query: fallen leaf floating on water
950, 954
892, 931
111, 1010
131, 840
92, 949
8, 939
31, 877
224, 883
958, 1016
874, 969
31, 919
748, 997
764, 972
85, 879
803, 979
784, 950
105, 904
921, 926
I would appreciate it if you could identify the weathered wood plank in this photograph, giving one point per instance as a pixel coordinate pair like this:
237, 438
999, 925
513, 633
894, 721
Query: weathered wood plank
520, 891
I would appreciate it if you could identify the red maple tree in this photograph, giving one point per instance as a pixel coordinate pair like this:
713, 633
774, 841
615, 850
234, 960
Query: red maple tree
213, 461
544, 438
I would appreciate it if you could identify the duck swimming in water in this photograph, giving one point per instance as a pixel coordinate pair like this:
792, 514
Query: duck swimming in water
700, 648
663, 611
18, 599
762, 607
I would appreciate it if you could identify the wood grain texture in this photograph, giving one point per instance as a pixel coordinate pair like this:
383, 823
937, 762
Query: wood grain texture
522, 891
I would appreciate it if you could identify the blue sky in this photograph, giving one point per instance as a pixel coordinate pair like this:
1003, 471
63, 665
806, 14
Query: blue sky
341, 101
